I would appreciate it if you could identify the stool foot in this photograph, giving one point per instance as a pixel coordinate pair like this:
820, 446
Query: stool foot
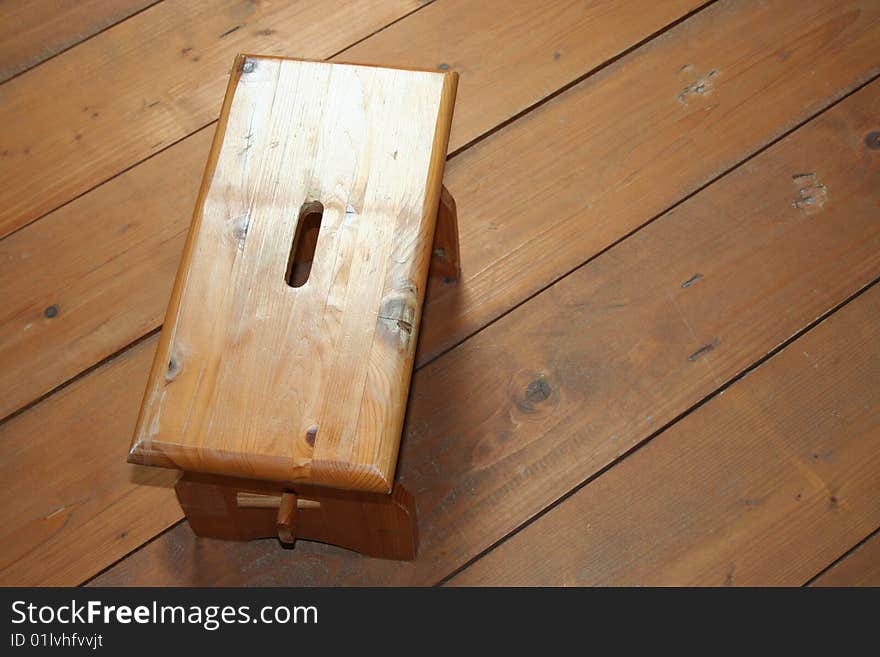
376, 525
445, 261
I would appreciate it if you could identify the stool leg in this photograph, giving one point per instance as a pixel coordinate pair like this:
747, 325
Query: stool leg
445, 262
376, 525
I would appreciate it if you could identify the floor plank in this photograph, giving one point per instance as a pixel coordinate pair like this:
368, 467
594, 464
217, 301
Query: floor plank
859, 568
36, 30
764, 485
107, 260
146, 83
555, 391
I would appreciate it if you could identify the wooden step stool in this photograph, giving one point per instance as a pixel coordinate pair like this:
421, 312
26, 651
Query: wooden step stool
280, 382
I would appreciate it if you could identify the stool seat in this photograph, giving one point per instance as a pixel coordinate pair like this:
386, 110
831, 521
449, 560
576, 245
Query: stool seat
288, 346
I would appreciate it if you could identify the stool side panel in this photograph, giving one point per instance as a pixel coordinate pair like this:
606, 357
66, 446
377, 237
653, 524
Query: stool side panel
254, 378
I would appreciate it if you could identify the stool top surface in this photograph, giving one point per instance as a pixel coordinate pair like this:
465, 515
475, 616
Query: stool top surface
273, 368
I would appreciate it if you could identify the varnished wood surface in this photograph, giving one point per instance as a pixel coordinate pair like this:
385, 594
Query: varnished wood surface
257, 378
537, 198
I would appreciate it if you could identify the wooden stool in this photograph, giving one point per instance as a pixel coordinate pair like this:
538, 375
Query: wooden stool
281, 378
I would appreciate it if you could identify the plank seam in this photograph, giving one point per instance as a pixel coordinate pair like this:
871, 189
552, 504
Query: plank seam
425, 3
80, 42
655, 434
79, 375
108, 567
573, 83
842, 557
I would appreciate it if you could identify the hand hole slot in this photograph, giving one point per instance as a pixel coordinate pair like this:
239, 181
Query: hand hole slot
305, 239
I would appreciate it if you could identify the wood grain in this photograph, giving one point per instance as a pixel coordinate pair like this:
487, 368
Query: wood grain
36, 30
761, 486
511, 420
254, 378
859, 568
510, 54
148, 82
116, 250
66, 489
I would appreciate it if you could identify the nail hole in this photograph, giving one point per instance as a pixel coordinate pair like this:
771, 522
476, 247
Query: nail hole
302, 251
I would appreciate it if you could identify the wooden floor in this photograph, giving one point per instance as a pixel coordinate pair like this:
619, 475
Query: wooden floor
661, 365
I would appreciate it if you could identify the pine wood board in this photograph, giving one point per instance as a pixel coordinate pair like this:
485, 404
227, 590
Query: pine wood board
859, 568
257, 378
116, 249
549, 395
36, 30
